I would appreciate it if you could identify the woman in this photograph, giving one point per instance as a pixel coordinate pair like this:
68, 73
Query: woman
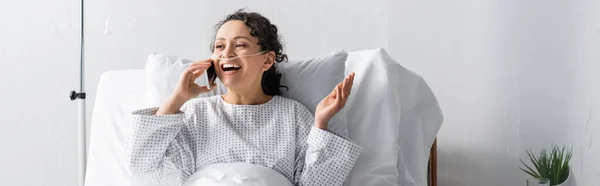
251, 123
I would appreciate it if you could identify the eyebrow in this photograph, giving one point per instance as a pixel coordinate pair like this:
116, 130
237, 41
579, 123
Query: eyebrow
235, 38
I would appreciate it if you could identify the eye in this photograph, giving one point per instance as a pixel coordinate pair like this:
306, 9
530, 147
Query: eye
240, 45
219, 46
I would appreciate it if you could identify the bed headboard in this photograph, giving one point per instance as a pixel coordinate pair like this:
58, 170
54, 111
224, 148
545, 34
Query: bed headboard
432, 170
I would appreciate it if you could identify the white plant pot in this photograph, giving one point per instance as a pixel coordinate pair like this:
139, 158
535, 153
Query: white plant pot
570, 180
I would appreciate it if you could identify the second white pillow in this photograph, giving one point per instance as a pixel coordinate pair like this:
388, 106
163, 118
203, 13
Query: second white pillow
310, 80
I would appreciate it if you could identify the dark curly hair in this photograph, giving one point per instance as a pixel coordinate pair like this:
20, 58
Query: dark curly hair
268, 39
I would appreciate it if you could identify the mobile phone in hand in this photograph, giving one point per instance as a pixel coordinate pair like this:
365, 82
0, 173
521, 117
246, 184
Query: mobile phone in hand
211, 75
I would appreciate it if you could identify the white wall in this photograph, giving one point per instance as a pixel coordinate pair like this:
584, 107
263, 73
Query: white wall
39, 62
510, 75
584, 111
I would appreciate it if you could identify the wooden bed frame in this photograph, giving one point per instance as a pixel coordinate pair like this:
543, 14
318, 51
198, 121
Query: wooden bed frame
432, 169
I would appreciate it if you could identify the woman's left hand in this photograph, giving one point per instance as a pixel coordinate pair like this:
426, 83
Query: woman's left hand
334, 102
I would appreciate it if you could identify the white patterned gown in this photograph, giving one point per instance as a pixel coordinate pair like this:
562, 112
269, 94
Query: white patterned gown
279, 134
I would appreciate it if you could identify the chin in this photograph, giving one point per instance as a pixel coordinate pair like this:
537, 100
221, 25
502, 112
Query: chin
230, 83
226, 82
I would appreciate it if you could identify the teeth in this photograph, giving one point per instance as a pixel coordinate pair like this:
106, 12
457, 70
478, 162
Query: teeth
230, 66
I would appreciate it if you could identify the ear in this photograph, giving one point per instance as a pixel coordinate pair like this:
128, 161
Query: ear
269, 61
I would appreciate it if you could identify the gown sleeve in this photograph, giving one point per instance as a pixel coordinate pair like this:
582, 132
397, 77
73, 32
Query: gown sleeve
158, 145
323, 158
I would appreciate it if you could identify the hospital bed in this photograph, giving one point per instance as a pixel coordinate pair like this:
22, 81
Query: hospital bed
411, 109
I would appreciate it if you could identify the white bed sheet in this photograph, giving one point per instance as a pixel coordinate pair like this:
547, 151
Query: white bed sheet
397, 106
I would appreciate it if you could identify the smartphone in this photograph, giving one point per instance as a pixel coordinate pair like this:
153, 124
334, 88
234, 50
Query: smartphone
211, 75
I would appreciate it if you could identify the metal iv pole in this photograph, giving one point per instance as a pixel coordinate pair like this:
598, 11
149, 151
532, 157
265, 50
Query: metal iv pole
80, 96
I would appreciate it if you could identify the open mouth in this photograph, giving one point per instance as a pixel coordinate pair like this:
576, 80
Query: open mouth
230, 67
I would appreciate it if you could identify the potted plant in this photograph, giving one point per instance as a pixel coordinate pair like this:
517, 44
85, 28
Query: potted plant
553, 165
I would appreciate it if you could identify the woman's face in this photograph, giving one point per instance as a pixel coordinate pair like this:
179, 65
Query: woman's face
233, 39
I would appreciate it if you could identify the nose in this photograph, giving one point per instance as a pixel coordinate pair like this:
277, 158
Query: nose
227, 52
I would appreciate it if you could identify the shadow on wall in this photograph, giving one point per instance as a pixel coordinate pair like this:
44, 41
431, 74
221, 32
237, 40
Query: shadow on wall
492, 167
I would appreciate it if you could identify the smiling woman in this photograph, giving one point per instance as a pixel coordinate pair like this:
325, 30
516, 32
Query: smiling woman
250, 124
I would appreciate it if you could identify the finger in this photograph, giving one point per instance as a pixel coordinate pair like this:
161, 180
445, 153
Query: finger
338, 100
348, 87
198, 73
349, 92
349, 83
200, 65
196, 66
212, 86
199, 70
193, 73
352, 79
344, 85
194, 69
205, 89
204, 61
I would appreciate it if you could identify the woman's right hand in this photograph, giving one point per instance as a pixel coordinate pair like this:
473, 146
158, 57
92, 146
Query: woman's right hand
186, 88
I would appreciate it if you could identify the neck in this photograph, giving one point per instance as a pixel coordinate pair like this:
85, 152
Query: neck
246, 97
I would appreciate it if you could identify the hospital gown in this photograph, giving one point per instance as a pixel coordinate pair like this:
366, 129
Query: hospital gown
279, 134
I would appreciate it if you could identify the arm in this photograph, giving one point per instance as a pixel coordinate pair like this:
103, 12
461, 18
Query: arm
322, 158
159, 144
161, 140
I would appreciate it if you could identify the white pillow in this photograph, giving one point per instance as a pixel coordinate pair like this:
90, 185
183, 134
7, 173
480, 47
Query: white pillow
308, 81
